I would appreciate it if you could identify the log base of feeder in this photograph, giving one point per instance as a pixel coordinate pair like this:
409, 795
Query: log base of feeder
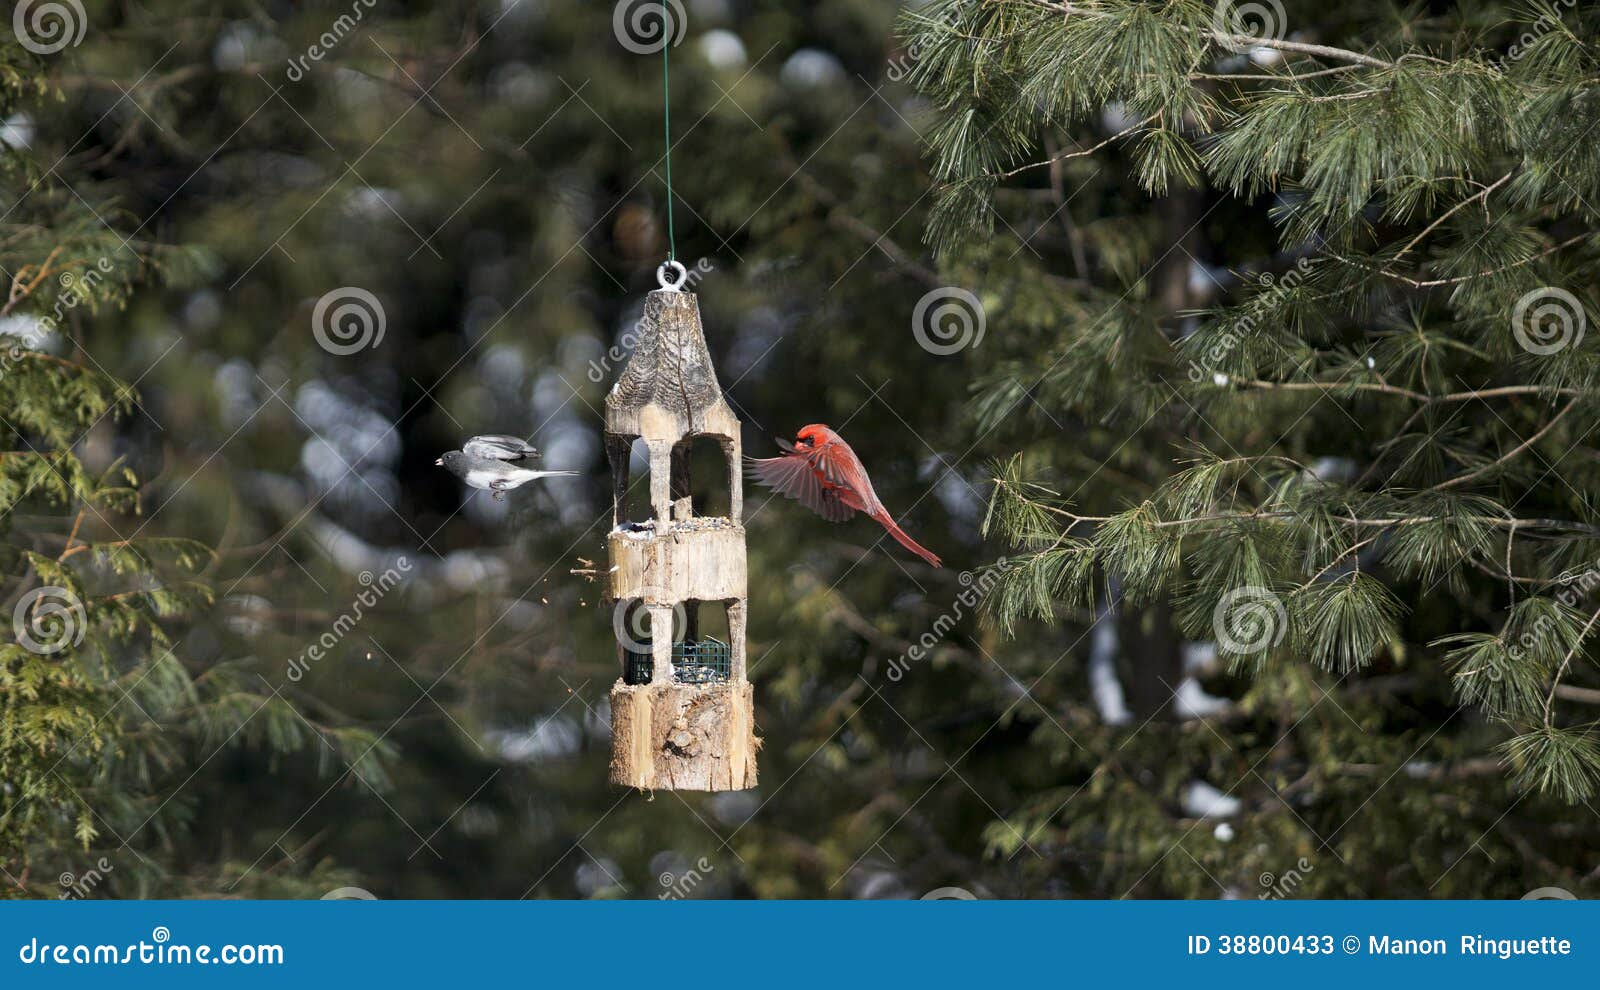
683, 737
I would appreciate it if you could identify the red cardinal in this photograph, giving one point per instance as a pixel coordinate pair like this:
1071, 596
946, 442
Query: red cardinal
820, 471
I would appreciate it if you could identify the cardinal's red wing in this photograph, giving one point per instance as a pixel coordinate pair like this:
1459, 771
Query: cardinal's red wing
840, 467
794, 477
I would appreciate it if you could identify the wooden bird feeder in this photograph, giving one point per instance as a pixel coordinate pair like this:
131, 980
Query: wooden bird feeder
681, 714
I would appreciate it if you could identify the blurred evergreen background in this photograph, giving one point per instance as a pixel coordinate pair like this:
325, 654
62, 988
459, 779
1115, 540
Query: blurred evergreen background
491, 172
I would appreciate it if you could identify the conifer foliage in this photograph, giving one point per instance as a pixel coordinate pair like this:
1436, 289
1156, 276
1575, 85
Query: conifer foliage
1329, 329
101, 721
1246, 361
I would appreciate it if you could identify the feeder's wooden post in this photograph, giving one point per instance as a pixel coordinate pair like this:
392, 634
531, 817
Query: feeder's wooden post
665, 734
661, 481
661, 643
619, 452
683, 508
682, 483
733, 450
736, 637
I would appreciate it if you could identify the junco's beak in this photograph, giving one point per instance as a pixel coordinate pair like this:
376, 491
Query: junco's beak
439, 462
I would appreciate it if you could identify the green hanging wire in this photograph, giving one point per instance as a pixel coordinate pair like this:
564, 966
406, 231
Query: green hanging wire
666, 122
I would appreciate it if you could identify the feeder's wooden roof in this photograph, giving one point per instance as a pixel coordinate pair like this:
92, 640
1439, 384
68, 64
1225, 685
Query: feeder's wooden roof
668, 389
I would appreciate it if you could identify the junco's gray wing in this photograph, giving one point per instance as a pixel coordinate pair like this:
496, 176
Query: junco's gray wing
500, 448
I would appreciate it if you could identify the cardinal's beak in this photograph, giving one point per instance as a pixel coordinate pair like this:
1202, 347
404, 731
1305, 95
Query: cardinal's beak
439, 462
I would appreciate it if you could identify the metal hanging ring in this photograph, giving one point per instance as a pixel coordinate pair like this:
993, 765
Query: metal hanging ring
672, 284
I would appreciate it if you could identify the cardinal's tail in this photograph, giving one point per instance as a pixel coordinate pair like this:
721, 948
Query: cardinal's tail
906, 541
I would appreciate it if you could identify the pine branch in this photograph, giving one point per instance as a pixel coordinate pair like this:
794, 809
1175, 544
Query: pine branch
1080, 153
1290, 75
1237, 41
1463, 279
1481, 196
1587, 696
1566, 663
1499, 391
1508, 455
840, 216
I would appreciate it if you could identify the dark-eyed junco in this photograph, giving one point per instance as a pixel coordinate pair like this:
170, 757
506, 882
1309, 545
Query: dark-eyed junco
493, 463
